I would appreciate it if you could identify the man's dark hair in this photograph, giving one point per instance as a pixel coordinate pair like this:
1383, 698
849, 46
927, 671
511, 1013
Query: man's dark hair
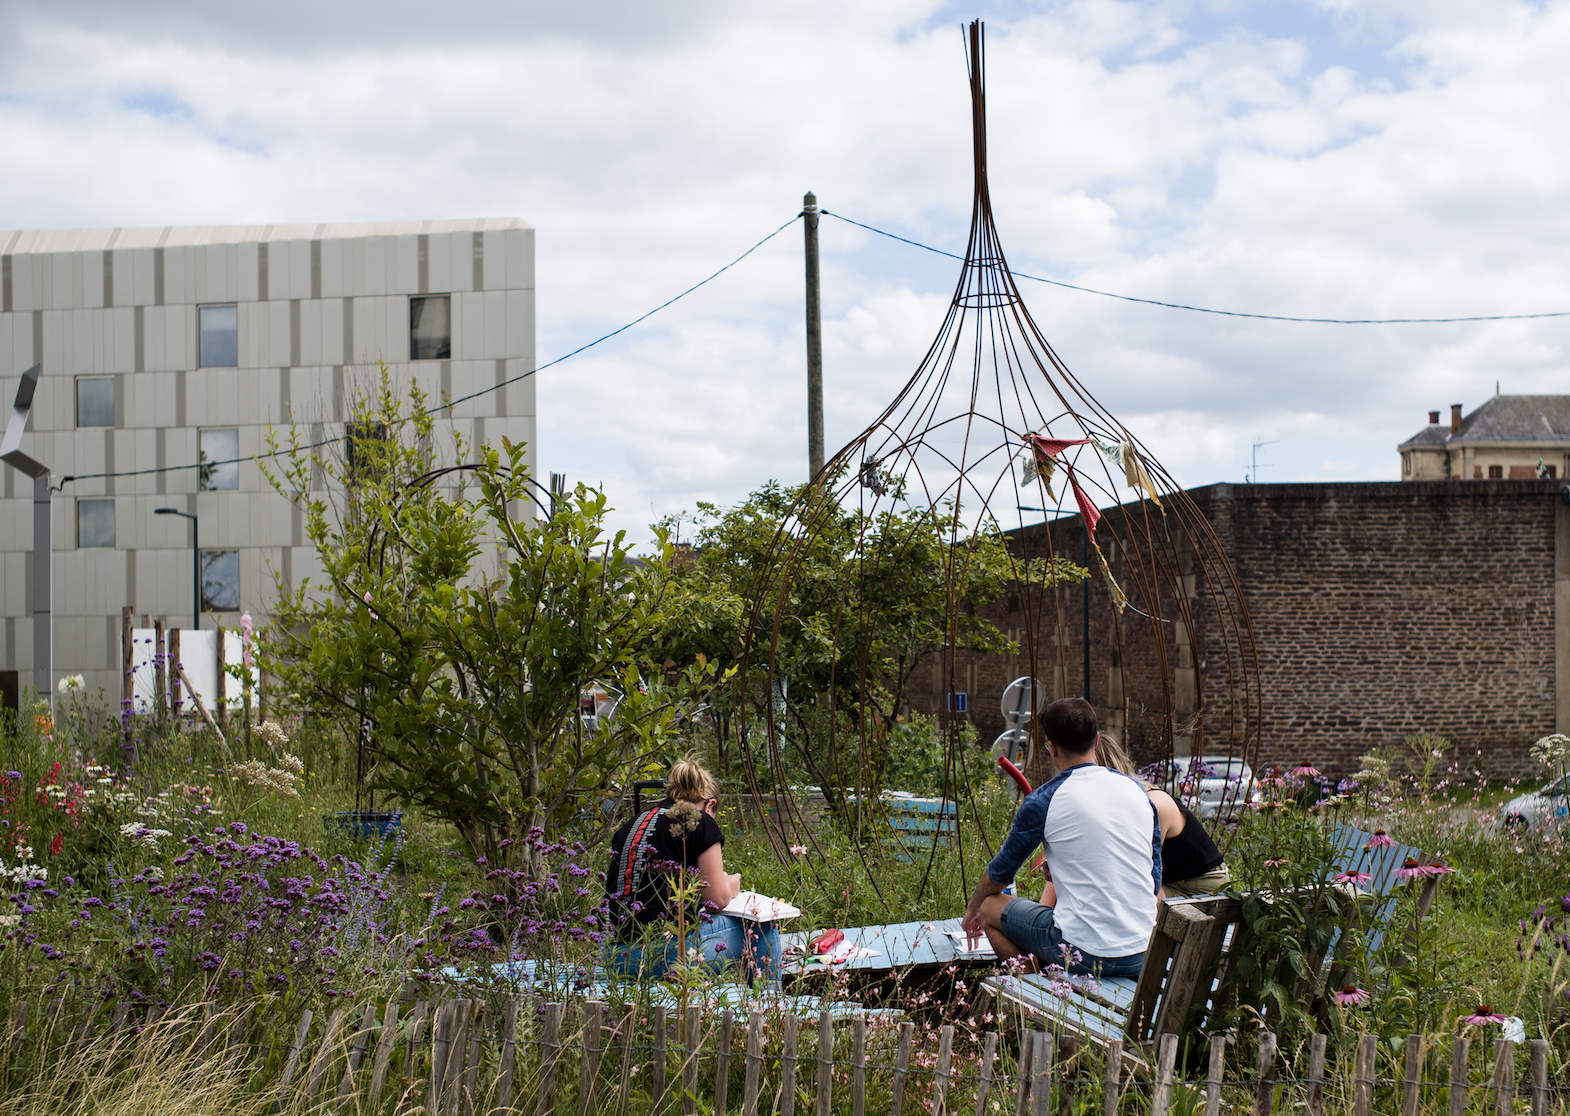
1070, 723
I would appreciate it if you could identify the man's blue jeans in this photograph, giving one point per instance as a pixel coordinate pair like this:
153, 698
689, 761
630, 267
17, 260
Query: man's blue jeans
725, 941
1033, 929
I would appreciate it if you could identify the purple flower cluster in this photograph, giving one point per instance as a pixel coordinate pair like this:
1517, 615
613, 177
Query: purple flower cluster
241, 913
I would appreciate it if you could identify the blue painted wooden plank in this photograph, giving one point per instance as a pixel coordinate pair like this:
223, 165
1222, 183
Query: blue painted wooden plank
900, 945
1084, 1015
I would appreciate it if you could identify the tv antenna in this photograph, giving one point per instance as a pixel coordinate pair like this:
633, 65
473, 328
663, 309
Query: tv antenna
1253, 476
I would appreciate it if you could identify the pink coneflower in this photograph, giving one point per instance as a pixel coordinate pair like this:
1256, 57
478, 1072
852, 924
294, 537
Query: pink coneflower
1353, 877
1437, 869
1304, 770
1411, 870
1380, 840
1275, 862
1483, 1016
1352, 995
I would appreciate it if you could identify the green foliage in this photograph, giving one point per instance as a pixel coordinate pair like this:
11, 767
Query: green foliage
863, 599
465, 634
1282, 862
917, 750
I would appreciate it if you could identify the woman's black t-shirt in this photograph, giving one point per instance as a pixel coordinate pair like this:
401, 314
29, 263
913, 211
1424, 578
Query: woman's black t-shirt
646, 854
1190, 852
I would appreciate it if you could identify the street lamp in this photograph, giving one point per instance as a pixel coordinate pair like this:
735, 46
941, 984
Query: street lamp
196, 561
43, 550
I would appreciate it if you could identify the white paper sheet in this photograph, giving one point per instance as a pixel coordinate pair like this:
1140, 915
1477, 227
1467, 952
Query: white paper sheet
759, 908
962, 945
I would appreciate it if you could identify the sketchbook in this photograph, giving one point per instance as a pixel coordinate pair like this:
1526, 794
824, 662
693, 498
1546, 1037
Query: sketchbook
759, 908
962, 947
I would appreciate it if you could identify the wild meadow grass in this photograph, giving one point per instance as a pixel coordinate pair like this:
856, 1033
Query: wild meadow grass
152, 872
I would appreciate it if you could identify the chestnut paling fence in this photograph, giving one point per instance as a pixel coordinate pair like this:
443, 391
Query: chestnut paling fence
459, 1057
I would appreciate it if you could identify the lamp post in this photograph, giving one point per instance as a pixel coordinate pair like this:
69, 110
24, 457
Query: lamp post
43, 549
196, 562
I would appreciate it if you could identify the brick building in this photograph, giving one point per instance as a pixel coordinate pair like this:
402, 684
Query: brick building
1379, 609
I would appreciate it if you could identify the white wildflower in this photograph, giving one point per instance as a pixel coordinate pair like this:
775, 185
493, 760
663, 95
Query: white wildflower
1552, 751
280, 779
72, 682
272, 734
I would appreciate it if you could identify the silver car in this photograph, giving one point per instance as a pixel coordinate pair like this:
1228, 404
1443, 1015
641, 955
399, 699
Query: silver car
1547, 806
1209, 786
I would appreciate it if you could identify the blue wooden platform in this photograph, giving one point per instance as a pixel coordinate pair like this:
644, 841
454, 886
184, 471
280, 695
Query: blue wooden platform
736, 996
902, 945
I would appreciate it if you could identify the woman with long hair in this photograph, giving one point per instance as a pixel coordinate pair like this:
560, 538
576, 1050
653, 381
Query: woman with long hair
670, 851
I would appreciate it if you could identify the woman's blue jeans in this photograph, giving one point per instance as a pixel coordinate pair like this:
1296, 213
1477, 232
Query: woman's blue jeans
724, 942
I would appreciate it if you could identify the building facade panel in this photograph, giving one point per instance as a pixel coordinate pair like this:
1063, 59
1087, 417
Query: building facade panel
317, 306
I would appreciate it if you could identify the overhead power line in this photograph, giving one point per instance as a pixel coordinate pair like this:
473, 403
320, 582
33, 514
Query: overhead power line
446, 405
1207, 309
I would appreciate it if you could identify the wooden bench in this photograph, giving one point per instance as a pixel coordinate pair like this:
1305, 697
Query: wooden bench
919, 823
1182, 963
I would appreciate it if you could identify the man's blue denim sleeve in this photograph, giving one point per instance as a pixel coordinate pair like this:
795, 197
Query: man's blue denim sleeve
1025, 836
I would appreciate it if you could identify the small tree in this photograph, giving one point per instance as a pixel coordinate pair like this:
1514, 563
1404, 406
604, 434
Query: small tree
868, 602
463, 633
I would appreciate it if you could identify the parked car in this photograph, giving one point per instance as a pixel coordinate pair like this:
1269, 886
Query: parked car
1547, 806
1210, 786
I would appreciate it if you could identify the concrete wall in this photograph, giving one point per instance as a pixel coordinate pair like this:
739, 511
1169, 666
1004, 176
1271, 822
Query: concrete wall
1379, 610
317, 307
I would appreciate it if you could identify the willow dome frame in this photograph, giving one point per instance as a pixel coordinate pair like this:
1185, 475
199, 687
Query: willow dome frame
973, 441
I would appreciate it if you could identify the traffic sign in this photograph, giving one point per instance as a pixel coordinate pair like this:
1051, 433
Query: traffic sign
1021, 700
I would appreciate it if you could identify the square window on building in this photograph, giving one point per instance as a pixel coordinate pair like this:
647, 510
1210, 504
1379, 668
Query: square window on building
95, 523
218, 467
1496, 472
366, 449
95, 401
218, 331
220, 581
430, 327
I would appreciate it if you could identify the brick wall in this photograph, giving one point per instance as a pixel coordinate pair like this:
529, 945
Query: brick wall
1379, 610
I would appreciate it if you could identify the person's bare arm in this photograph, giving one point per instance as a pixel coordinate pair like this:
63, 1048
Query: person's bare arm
1167, 810
973, 922
720, 886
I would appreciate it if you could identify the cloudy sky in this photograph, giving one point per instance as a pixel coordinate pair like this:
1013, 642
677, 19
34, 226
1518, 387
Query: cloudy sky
1324, 158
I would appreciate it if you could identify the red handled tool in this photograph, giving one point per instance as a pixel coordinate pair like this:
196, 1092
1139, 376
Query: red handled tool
1024, 788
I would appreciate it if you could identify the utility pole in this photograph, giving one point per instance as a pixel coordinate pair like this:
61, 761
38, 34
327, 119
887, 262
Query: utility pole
814, 340
43, 549
1084, 589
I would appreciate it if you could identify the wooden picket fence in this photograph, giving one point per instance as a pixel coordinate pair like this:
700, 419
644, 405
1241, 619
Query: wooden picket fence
457, 1058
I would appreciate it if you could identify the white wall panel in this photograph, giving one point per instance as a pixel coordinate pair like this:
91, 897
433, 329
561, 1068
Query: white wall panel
439, 263
406, 258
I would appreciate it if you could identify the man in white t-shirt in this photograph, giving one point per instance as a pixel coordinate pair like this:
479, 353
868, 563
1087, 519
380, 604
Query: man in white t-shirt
1103, 845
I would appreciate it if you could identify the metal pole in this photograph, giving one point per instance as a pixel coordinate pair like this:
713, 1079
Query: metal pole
814, 341
1085, 597
196, 574
43, 588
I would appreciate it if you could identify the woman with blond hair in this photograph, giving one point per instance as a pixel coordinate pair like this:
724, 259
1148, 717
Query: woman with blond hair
678, 841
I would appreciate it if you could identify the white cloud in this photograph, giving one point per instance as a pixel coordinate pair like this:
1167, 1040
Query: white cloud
1318, 158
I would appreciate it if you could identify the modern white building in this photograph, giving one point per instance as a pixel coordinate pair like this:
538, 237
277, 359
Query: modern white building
166, 348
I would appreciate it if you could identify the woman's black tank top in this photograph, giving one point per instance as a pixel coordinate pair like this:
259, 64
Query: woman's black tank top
1189, 853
